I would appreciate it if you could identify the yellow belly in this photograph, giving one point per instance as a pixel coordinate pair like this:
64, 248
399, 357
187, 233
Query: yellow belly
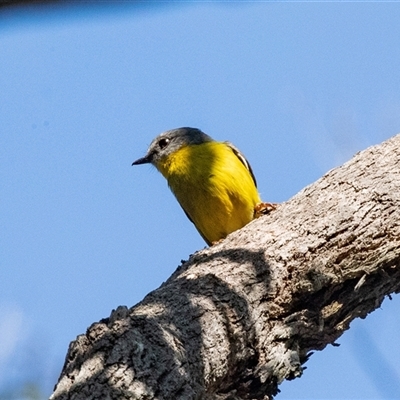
213, 186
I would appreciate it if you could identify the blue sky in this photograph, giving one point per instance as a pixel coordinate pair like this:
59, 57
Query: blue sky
298, 87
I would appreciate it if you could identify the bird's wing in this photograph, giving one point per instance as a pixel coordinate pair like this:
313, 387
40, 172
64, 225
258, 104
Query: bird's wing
242, 158
190, 219
198, 230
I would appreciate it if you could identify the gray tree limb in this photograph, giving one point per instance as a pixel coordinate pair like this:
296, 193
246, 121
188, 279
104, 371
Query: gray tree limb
238, 318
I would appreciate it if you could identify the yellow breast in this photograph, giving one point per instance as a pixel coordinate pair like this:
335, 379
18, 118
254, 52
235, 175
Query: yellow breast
213, 186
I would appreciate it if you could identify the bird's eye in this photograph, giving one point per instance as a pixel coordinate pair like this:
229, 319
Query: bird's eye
162, 143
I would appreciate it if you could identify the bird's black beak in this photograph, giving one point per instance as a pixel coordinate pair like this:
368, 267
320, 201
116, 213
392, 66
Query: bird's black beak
143, 160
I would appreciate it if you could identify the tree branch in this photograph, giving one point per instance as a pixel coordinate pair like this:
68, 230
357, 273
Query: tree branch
240, 317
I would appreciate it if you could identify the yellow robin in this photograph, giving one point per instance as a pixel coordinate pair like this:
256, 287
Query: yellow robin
212, 181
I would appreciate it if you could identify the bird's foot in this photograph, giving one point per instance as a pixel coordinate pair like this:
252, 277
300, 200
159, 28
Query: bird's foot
264, 208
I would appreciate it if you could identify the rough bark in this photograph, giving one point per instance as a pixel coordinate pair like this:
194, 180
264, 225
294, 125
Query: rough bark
238, 318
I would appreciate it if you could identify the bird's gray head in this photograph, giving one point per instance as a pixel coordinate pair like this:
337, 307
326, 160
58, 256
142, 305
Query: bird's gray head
170, 141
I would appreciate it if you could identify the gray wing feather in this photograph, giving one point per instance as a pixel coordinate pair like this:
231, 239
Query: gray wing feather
243, 159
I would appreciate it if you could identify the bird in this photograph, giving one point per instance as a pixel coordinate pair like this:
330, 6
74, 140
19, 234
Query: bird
212, 181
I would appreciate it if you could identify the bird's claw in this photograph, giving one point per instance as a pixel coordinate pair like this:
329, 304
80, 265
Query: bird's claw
264, 209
